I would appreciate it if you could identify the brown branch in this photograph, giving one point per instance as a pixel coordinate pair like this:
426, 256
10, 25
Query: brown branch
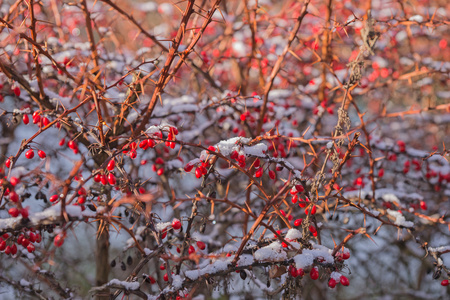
326, 37
165, 71
132, 20
277, 65
11, 73
90, 34
258, 221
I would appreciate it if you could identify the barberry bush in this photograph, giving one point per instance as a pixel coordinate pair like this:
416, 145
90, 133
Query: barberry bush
224, 149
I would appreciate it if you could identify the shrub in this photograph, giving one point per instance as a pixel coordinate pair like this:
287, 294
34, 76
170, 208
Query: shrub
224, 148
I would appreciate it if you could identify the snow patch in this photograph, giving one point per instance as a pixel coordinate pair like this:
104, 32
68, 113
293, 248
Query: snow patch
272, 252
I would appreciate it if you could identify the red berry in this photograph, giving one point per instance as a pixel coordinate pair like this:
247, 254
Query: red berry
294, 199
103, 179
36, 119
259, 172
32, 237
201, 245
401, 146
151, 143
42, 154
59, 240
162, 267
332, 283
8, 163
24, 213
143, 144
81, 191
176, 224
198, 172
14, 181
346, 255
45, 121
31, 248
188, 167
13, 197
17, 91
159, 161
166, 277
191, 249
62, 142
14, 212
299, 188
257, 163
111, 179
444, 282
212, 149
13, 249
423, 205
38, 238
152, 280
160, 171
97, 177
314, 274
344, 281
272, 174
25, 242
29, 154
8, 250
132, 154
2, 245
293, 271
111, 165
298, 222
25, 119
72, 145
313, 210
81, 199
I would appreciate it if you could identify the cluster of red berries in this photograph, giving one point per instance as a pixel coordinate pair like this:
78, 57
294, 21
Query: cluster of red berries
15, 212
322, 107
294, 272
343, 280
314, 275
25, 240
158, 167
200, 170
29, 154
